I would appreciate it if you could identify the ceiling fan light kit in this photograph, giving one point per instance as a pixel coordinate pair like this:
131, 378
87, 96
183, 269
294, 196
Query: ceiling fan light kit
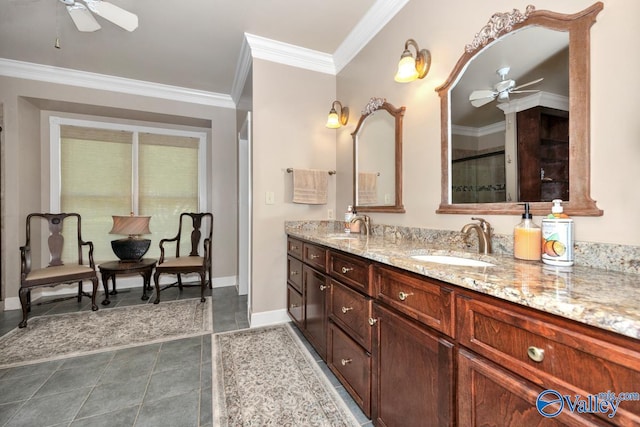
82, 15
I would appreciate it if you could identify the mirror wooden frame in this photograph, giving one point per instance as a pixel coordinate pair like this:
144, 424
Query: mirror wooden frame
578, 25
374, 105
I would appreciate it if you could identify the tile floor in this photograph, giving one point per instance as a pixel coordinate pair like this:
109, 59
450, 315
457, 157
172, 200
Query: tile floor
166, 384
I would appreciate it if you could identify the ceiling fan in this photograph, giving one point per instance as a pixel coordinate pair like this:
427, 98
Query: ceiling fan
81, 14
501, 90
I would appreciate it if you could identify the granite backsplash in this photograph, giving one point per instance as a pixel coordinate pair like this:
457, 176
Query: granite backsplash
607, 256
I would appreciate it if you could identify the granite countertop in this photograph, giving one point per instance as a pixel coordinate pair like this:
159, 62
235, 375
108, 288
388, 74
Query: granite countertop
597, 297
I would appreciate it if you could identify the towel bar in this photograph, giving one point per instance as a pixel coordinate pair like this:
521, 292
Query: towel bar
290, 170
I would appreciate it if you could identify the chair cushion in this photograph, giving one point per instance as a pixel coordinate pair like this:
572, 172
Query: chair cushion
183, 261
58, 271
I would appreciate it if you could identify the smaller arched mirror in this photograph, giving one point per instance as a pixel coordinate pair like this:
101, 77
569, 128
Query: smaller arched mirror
377, 158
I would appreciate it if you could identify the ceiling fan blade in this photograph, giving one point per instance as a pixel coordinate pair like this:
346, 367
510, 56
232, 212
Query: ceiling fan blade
528, 84
113, 13
479, 98
525, 91
83, 19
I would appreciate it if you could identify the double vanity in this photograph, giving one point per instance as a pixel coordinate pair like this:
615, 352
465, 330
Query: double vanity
420, 334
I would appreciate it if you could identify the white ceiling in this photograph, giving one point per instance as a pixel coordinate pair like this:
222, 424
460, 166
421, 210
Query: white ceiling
189, 44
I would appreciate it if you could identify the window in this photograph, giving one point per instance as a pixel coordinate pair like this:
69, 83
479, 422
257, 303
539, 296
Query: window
102, 169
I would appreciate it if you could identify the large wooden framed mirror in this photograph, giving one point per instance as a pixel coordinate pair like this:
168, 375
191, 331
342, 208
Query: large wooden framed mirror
515, 116
377, 158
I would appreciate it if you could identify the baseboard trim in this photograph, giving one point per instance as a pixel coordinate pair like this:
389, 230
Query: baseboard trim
13, 303
268, 318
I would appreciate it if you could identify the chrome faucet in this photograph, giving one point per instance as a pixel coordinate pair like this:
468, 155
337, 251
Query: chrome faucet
483, 228
365, 220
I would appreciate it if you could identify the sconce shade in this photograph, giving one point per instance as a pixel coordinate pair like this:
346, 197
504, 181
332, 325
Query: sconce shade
335, 120
410, 68
132, 248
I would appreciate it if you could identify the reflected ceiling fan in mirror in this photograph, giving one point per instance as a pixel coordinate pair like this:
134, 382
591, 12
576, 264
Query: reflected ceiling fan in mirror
501, 90
82, 15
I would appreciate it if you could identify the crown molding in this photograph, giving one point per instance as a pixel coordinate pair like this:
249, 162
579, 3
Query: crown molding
479, 132
67, 76
242, 71
540, 99
371, 23
288, 54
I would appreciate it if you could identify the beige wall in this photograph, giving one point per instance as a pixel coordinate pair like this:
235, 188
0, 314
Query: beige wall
290, 109
26, 160
444, 30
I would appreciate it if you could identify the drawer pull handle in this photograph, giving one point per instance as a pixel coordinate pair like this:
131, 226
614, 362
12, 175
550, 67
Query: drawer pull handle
372, 321
293, 273
345, 270
323, 287
536, 354
403, 295
345, 362
314, 256
292, 306
294, 248
346, 309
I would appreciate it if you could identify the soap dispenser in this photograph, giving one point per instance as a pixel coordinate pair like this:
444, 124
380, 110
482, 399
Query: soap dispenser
557, 237
527, 238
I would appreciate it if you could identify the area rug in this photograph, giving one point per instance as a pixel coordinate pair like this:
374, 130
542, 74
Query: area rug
74, 334
266, 377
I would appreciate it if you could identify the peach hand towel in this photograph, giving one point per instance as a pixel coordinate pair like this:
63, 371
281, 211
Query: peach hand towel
367, 188
310, 186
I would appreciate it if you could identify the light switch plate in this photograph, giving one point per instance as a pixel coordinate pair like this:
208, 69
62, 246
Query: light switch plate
269, 198
330, 214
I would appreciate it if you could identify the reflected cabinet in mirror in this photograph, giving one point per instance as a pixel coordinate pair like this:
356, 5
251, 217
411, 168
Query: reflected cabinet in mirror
377, 158
515, 116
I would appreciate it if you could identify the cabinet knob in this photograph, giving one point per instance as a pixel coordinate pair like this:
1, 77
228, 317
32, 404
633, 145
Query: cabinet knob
323, 287
372, 321
345, 270
403, 295
345, 362
536, 354
346, 309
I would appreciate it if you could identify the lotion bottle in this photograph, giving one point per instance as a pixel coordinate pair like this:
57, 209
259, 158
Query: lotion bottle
557, 237
527, 238
347, 219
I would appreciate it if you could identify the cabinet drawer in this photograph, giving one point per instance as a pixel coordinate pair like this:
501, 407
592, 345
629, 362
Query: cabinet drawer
294, 273
551, 352
295, 308
422, 299
351, 271
294, 247
478, 378
352, 365
351, 311
315, 256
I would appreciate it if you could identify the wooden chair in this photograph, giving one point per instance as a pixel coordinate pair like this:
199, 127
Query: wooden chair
56, 273
193, 262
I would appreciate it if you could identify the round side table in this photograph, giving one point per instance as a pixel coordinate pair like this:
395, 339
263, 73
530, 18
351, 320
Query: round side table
111, 269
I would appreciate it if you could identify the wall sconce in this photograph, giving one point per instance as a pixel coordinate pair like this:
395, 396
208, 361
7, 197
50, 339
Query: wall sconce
335, 120
410, 68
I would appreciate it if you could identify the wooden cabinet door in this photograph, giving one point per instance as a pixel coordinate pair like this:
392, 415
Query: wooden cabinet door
491, 396
295, 306
412, 374
315, 284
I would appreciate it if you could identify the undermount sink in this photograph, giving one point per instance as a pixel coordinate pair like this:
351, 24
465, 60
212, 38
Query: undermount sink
453, 260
